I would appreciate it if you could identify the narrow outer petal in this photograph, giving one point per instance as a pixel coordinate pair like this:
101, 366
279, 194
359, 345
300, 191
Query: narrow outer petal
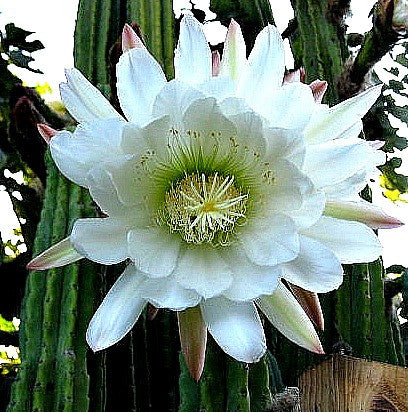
351, 242
236, 327
117, 313
363, 212
60, 254
140, 78
192, 57
84, 101
234, 60
328, 124
266, 66
286, 314
193, 340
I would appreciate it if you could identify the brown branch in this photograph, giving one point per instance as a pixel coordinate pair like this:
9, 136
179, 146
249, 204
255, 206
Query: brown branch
377, 42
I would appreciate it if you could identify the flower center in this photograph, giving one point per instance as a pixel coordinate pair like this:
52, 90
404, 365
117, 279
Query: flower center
204, 209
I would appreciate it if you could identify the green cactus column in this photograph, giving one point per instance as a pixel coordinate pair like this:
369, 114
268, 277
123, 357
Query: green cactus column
53, 374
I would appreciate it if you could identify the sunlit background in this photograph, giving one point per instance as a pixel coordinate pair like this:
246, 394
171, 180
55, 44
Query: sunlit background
53, 22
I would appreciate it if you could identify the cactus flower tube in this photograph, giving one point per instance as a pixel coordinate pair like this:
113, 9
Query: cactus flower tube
215, 186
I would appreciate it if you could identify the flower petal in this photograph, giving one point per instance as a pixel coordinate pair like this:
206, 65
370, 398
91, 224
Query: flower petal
250, 280
102, 240
286, 314
328, 124
167, 293
60, 254
201, 268
140, 78
285, 143
316, 268
270, 241
192, 57
76, 154
266, 66
193, 340
84, 101
332, 162
363, 212
173, 100
351, 242
234, 60
282, 107
236, 327
153, 250
117, 313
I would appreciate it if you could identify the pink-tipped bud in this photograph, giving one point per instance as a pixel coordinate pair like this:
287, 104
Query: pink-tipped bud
319, 88
216, 63
130, 40
46, 132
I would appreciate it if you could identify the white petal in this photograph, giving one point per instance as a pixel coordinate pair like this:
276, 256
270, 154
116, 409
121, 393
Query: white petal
266, 65
289, 107
270, 241
192, 57
234, 60
140, 78
234, 105
361, 211
250, 132
285, 313
327, 124
348, 188
220, 87
332, 162
173, 100
316, 268
101, 240
153, 250
202, 268
76, 154
250, 280
236, 327
351, 242
84, 101
103, 192
60, 254
151, 138
117, 313
284, 143
167, 293
283, 185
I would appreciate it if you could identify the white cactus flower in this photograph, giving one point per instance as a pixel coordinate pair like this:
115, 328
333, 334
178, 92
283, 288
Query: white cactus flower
216, 188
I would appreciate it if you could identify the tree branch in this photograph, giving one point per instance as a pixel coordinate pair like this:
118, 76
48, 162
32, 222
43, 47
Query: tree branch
377, 42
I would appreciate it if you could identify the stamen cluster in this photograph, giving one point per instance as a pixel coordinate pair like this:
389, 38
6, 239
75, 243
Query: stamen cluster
204, 209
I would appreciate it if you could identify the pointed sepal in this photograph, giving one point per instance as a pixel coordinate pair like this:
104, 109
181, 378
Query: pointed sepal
46, 132
130, 40
193, 339
285, 313
60, 254
363, 212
